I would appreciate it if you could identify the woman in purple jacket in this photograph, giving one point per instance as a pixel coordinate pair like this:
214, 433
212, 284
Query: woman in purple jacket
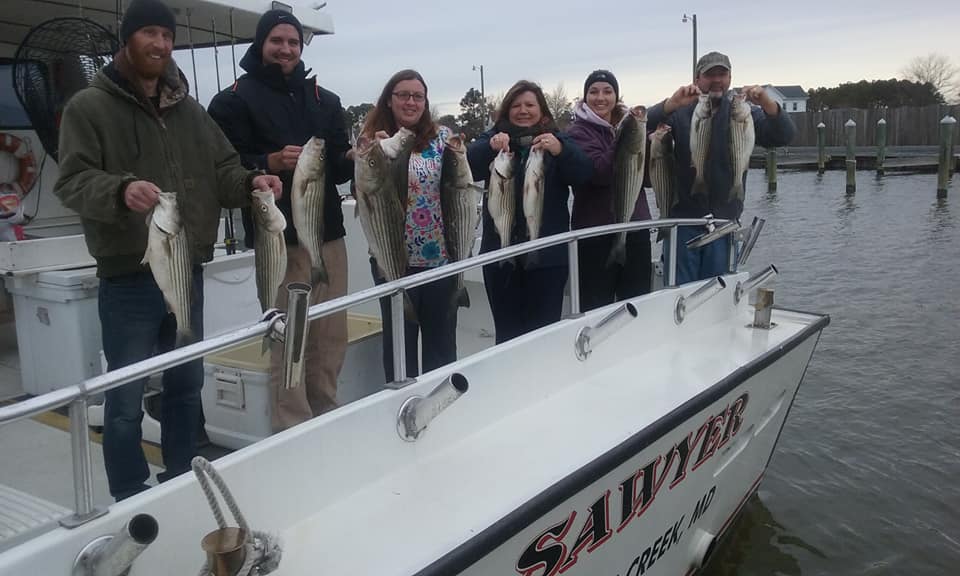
593, 129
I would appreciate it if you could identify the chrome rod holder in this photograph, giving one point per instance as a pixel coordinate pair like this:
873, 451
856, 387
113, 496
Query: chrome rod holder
418, 411
84, 510
753, 282
763, 309
295, 334
591, 336
398, 336
712, 235
755, 228
671, 264
687, 304
114, 555
573, 271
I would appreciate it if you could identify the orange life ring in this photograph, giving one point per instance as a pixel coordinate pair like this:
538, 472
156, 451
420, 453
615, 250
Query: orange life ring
27, 172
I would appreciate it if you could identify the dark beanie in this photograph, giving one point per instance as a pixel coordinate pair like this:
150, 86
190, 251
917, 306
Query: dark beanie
271, 19
143, 13
601, 76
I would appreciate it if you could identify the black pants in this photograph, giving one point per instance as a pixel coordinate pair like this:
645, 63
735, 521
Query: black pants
601, 284
523, 300
436, 324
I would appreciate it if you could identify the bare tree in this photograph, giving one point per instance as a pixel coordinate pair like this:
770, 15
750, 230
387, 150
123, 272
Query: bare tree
937, 70
434, 111
560, 105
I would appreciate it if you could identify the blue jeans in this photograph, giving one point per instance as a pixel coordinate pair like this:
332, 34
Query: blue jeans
136, 325
700, 263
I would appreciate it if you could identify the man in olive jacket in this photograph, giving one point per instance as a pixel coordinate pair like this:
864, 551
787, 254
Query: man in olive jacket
134, 133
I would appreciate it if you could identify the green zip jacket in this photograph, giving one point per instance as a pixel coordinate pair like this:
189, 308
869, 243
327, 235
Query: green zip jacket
109, 137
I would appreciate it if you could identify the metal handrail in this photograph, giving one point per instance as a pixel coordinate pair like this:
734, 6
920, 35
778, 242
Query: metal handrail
76, 396
160, 362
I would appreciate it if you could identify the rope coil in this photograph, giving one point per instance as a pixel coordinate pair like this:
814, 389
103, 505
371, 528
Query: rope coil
263, 551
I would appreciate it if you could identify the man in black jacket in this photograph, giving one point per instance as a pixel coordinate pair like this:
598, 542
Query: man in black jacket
268, 115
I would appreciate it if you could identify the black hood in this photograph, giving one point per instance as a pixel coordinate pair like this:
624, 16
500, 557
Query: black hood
271, 74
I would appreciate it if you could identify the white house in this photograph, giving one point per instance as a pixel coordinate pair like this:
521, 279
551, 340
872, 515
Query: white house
792, 98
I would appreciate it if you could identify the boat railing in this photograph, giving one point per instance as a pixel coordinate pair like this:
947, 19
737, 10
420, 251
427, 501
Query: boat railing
76, 396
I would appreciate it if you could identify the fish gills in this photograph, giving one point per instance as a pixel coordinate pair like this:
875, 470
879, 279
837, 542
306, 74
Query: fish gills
168, 255
742, 139
270, 249
307, 199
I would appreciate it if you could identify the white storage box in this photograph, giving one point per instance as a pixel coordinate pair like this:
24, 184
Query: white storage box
58, 327
236, 389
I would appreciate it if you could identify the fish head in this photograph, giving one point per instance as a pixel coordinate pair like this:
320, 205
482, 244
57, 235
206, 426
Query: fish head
503, 164
455, 165
310, 163
659, 140
265, 211
399, 143
165, 215
704, 107
739, 107
639, 112
371, 167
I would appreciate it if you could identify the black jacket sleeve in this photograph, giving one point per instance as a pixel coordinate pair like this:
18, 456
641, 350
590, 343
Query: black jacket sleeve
230, 112
341, 167
480, 155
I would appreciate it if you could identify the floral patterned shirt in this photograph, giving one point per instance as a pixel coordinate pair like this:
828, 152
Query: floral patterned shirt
424, 226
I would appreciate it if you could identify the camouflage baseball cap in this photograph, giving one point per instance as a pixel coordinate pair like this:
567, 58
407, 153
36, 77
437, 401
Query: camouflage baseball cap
712, 60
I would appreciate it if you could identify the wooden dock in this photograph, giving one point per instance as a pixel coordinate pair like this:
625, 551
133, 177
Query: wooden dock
908, 159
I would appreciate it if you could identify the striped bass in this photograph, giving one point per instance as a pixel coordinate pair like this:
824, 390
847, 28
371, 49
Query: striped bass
700, 126
501, 199
663, 169
628, 169
742, 138
307, 199
382, 215
533, 183
270, 249
168, 255
458, 207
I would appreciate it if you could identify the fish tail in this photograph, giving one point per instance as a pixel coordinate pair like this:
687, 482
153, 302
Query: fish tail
618, 255
318, 275
409, 312
185, 338
699, 186
737, 191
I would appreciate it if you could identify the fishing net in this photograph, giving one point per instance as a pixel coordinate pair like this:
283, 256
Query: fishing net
56, 60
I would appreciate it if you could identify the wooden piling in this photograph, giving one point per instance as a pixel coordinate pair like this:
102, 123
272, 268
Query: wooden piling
953, 159
821, 147
881, 145
772, 169
946, 143
851, 131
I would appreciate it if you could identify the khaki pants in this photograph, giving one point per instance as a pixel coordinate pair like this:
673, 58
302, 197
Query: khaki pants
326, 342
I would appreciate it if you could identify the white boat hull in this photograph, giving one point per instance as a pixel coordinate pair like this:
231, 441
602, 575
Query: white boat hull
525, 474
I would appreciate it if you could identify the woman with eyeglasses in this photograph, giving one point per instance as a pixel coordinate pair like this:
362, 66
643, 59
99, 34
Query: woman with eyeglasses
403, 102
595, 119
528, 294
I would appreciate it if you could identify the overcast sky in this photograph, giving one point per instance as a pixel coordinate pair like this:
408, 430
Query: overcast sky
810, 42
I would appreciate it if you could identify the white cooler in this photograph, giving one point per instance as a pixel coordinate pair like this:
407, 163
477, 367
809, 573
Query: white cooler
236, 388
58, 327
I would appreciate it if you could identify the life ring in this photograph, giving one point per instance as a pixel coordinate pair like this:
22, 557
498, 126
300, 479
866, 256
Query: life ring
27, 172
